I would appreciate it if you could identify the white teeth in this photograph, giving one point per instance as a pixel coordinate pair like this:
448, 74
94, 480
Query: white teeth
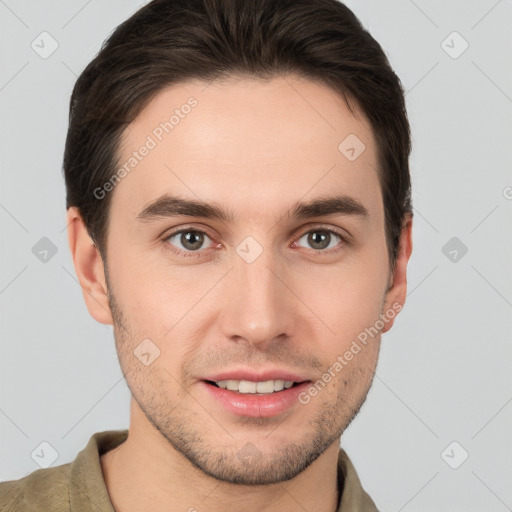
265, 387
232, 385
245, 386
279, 385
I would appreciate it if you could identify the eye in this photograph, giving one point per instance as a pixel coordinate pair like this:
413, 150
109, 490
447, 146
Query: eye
322, 238
188, 241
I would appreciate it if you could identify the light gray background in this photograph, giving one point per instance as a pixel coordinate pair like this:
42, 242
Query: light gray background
444, 373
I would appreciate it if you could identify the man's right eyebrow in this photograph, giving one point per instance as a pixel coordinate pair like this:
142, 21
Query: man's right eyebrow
173, 206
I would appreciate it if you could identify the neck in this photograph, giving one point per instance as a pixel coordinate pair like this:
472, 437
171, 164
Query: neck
147, 473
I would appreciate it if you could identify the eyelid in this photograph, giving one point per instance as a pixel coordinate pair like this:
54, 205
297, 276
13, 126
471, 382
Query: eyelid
344, 235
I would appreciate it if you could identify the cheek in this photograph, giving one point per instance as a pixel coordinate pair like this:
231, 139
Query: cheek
163, 303
139, 295
350, 298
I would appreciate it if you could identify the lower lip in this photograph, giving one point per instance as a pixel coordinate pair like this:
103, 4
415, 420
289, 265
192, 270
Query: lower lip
253, 405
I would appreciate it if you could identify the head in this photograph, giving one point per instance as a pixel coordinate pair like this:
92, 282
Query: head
238, 199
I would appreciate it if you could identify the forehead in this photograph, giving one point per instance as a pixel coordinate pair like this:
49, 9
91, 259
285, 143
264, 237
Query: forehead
255, 146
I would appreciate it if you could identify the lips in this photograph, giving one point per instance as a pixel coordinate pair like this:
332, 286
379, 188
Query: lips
263, 382
256, 376
255, 394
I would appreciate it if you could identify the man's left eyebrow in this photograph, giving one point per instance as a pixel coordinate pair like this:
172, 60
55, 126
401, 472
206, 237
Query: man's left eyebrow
330, 205
173, 206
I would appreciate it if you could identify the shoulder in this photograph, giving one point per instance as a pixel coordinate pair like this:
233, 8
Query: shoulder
41, 490
65, 487
353, 496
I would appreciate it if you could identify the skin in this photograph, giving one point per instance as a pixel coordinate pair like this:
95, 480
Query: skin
254, 148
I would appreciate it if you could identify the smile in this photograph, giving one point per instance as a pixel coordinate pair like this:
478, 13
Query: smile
262, 388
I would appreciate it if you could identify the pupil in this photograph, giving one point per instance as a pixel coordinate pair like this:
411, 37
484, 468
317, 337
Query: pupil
189, 238
323, 238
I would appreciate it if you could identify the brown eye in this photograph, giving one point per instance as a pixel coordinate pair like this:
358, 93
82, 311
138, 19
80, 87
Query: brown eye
187, 240
322, 238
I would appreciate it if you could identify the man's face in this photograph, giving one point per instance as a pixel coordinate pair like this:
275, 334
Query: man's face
259, 296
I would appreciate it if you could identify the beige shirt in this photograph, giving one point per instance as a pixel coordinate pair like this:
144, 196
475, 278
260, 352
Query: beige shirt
79, 485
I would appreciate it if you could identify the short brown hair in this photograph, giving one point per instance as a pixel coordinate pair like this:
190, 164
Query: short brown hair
170, 41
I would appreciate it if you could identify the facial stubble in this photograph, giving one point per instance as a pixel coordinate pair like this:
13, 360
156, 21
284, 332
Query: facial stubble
240, 461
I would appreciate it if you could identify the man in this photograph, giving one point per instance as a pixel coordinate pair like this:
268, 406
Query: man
239, 210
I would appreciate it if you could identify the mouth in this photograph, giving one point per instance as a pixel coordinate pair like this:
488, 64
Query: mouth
262, 397
261, 388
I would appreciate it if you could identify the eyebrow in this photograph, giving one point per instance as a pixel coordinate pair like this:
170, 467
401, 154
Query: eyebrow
174, 206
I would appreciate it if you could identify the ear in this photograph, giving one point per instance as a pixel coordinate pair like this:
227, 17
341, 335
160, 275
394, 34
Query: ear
88, 267
397, 291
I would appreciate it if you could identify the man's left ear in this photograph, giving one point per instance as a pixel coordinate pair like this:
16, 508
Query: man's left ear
395, 296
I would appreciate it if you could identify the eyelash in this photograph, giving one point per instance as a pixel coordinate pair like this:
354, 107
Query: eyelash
199, 253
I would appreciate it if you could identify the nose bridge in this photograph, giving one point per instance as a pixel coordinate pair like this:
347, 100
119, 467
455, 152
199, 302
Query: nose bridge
258, 309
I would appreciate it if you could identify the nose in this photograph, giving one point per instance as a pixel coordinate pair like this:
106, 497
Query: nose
259, 308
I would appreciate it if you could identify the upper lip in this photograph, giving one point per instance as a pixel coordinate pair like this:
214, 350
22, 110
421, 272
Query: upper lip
256, 375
